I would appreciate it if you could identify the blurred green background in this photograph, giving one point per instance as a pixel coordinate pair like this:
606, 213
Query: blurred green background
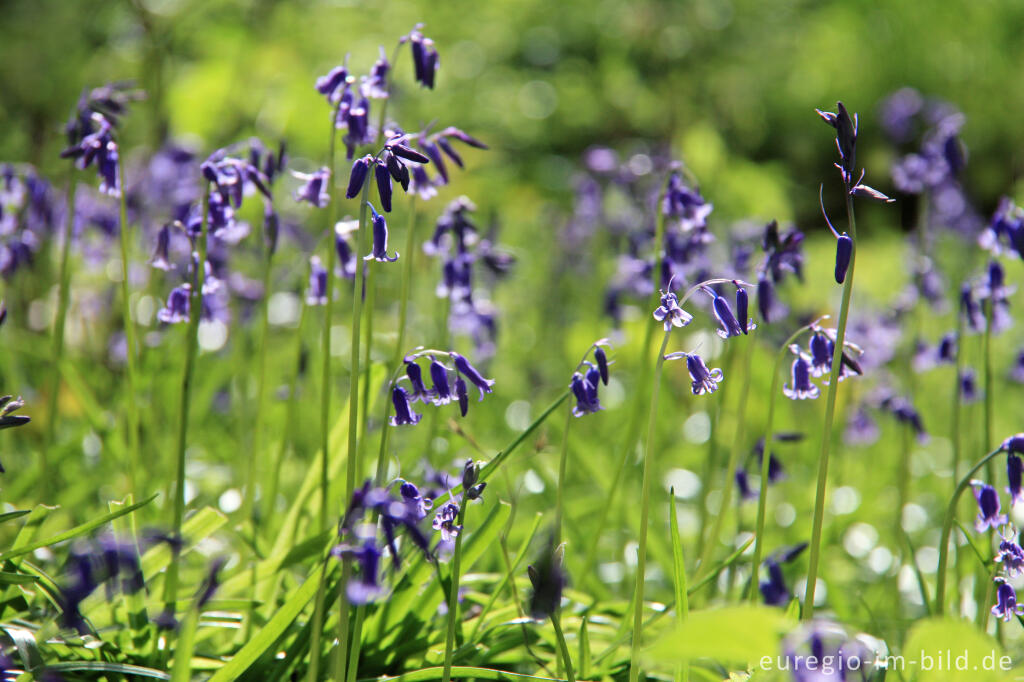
731, 83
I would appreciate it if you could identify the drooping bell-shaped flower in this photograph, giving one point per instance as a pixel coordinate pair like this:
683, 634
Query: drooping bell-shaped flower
800, 386
988, 507
403, 409
380, 239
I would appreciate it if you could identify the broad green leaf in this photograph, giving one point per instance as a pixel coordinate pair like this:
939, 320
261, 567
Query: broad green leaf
101, 667
949, 650
734, 634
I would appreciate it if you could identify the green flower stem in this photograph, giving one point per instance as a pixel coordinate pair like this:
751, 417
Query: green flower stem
453, 596
830, 411
947, 526
131, 347
956, 418
989, 386
64, 283
256, 454
351, 463
403, 311
291, 412
370, 307
769, 435
645, 499
734, 458
191, 351
563, 649
560, 491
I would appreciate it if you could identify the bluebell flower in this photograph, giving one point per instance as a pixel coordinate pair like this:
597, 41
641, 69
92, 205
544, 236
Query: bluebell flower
730, 326
765, 297
783, 252
8, 406
988, 506
602, 362
1006, 606
230, 176
774, 590
375, 85
177, 306
968, 385
380, 239
421, 184
100, 148
433, 153
743, 309
704, 381
548, 579
383, 186
1014, 444
365, 586
425, 60
357, 178
404, 413
1010, 553
415, 374
462, 393
444, 521
585, 394
1017, 371
905, 413
800, 386
347, 260
670, 313
821, 349
861, 429
442, 390
916, 173
333, 83
1013, 474
467, 370
470, 477
161, 259
317, 292
411, 494
743, 483
314, 188
685, 205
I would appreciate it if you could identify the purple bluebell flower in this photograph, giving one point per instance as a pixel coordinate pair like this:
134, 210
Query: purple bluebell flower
230, 176
161, 259
411, 494
602, 363
421, 184
364, 587
100, 148
467, 370
444, 521
347, 260
774, 590
314, 188
585, 394
970, 309
783, 252
861, 429
425, 60
800, 386
404, 413
380, 239
743, 483
1010, 553
821, 349
317, 292
383, 186
547, 577
1017, 371
670, 313
375, 85
968, 385
433, 153
1006, 606
470, 477
743, 309
685, 205
357, 178
1013, 475
844, 251
730, 326
357, 121
916, 173
988, 506
905, 413
415, 374
462, 393
442, 390
704, 381
899, 113
332, 84
177, 306
8, 420
765, 297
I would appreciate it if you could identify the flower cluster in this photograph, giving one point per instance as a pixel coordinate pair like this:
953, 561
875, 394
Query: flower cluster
28, 214
90, 132
584, 384
816, 361
1010, 555
783, 254
442, 390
